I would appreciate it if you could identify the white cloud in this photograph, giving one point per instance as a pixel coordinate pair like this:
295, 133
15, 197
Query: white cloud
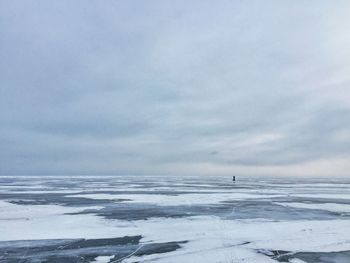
124, 87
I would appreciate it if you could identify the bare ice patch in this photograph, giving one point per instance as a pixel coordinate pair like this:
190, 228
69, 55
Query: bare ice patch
332, 207
175, 200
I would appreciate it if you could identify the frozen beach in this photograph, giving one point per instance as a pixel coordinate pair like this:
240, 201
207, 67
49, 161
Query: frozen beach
174, 219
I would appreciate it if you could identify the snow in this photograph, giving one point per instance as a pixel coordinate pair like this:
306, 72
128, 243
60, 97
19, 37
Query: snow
220, 254
9, 211
103, 259
215, 240
296, 260
26, 222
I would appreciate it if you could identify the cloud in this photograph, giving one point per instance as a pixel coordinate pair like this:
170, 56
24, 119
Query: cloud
182, 87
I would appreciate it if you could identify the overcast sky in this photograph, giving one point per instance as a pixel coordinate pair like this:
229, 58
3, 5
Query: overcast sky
175, 87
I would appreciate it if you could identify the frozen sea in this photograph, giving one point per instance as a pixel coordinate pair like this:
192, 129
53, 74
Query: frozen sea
174, 219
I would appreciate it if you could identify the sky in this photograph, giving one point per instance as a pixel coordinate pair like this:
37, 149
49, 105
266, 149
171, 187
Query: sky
175, 87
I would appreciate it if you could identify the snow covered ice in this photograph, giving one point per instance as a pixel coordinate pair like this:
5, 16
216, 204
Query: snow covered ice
174, 219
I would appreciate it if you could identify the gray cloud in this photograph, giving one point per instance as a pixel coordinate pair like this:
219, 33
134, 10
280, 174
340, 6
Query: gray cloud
157, 86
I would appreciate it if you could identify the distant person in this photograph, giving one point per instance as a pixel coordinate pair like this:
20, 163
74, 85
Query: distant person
233, 178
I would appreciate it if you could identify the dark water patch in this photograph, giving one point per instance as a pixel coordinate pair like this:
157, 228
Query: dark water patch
149, 249
311, 200
120, 209
268, 210
127, 240
34, 246
137, 212
309, 257
53, 199
249, 209
80, 250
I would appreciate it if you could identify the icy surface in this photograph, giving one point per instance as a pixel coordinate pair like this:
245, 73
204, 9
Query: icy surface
183, 219
103, 259
333, 207
175, 200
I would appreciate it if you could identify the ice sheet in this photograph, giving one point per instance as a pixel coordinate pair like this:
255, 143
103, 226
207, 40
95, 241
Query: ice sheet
325, 196
203, 233
210, 238
174, 200
332, 207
